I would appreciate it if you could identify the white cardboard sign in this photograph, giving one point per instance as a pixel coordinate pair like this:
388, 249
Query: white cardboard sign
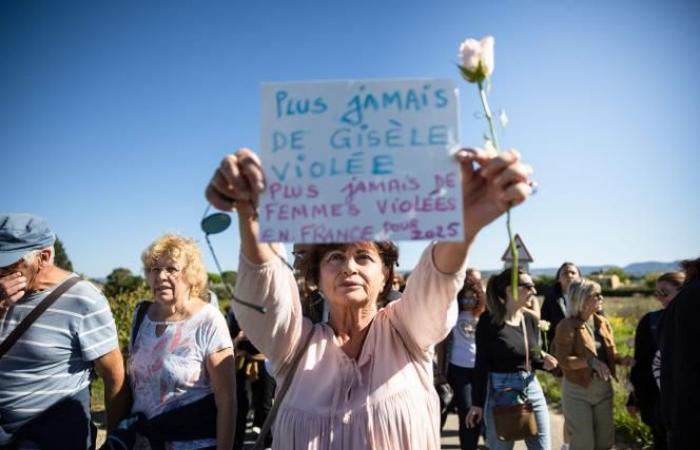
360, 160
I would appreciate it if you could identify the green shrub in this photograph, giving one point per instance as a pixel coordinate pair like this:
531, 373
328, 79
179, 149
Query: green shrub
551, 388
123, 306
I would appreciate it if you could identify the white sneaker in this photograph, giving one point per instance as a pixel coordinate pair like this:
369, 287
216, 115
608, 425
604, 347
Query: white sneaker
565, 446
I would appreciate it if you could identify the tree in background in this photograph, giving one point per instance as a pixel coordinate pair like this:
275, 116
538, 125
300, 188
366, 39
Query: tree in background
230, 277
216, 284
61, 258
122, 281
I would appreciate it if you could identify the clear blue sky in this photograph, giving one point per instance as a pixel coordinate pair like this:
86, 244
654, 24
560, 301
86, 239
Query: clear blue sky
113, 115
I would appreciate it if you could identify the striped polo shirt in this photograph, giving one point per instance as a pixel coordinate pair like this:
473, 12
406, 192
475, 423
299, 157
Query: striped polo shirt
53, 358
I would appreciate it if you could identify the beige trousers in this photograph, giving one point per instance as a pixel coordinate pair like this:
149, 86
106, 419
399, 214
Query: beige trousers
588, 412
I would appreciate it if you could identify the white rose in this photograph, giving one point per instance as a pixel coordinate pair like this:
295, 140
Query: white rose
477, 59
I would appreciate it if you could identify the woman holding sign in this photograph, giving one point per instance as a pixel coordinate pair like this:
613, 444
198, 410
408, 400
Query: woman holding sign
364, 378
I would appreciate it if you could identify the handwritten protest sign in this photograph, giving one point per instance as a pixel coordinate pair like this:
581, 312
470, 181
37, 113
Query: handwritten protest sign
360, 160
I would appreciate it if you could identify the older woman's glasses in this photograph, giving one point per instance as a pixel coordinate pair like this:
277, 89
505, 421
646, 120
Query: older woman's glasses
170, 271
597, 296
337, 258
526, 285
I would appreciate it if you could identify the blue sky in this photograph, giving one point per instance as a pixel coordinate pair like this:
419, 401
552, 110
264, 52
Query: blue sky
114, 115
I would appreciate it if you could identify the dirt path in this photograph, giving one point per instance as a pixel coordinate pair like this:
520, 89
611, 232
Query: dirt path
450, 439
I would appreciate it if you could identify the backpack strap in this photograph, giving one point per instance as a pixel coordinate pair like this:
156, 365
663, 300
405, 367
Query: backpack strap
141, 310
36, 312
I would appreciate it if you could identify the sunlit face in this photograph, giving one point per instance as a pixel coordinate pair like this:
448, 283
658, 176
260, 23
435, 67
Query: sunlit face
526, 291
592, 303
167, 280
352, 275
567, 275
665, 292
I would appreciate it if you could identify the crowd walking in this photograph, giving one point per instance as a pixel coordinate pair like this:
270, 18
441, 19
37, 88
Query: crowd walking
355, 370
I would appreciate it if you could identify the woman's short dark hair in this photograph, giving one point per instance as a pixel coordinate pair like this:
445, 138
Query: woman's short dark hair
310, 264
496, 296
564, 266
691, 267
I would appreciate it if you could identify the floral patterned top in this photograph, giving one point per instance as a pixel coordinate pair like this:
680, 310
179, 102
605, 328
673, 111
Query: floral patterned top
169, 371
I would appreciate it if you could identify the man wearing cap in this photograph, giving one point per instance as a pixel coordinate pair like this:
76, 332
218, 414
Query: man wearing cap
45, 375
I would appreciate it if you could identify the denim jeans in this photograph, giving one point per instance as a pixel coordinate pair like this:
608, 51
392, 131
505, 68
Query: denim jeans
527, 383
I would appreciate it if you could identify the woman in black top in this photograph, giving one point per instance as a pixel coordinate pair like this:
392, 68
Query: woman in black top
554, 310
554, 305
504, 368
645, 398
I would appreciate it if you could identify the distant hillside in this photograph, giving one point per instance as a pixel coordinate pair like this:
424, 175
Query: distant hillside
643, 268
636, 269
586, 270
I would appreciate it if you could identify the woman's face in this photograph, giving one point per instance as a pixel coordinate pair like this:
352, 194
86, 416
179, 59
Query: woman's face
665, 292
526, 291
167, 280
592, 303
352, 276
568, 274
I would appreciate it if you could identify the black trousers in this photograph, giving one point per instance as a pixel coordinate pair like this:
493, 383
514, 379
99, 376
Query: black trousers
462, 379
256, 395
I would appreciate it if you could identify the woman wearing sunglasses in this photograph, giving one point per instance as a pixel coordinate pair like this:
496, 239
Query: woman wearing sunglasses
585, 348
507, 353
646, 396
365, 379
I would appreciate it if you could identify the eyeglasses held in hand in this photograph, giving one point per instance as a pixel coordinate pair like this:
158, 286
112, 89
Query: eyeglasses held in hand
215, 224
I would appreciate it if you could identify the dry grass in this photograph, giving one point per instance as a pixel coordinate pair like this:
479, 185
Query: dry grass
630, 308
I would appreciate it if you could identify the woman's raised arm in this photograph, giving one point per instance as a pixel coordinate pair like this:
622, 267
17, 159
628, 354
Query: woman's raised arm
236, 185
491, 183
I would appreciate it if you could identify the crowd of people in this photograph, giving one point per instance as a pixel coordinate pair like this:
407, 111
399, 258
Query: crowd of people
346, 355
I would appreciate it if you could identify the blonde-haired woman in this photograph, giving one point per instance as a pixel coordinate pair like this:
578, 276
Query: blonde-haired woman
180, 365
585, 348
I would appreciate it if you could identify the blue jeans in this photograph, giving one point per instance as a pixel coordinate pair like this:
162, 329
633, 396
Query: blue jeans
528, 384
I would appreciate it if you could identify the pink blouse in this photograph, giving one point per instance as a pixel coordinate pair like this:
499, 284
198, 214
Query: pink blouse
385, 399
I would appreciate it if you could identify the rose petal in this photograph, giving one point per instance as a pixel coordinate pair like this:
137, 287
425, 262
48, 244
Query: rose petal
470, 54
488, 62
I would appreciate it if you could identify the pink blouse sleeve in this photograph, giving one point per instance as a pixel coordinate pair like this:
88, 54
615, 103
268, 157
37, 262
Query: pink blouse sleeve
427, 310
277, 333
